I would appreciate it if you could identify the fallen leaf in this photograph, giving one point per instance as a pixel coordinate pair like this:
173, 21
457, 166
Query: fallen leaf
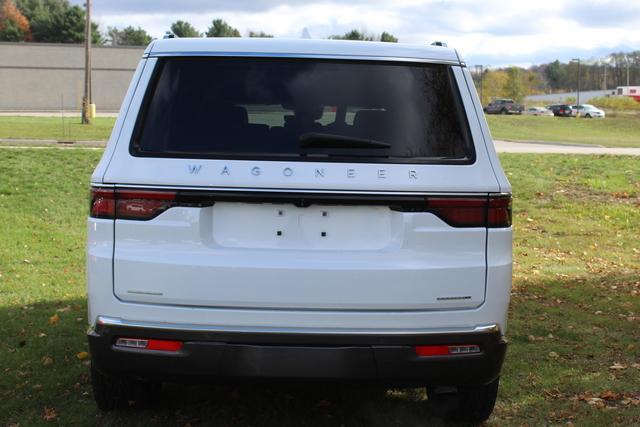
596, 401
53, 320
609, 395
49, 414
618, 366
46, 361
82, 355
553, 355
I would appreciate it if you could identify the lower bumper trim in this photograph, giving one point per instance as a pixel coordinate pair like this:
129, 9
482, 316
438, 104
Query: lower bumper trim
207, 355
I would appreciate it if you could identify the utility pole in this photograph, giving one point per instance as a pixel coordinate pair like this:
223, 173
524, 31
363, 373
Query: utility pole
627, 60
578, 91
86, 99
604, 81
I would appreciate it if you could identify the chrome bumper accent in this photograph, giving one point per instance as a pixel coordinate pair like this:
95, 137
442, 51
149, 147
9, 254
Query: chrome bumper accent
114, 321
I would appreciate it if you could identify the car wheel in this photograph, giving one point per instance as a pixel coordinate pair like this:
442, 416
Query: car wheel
470, 404
587, 116
503, 111
111, 392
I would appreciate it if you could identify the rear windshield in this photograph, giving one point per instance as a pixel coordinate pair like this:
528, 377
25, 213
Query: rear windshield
288, 109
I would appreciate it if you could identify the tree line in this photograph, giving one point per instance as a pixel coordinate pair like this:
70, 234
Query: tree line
553, 77
57, 21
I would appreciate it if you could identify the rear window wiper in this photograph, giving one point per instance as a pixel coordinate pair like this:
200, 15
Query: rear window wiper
326, 140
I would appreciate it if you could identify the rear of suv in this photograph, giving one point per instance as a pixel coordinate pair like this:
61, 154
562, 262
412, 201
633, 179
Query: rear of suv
308, 210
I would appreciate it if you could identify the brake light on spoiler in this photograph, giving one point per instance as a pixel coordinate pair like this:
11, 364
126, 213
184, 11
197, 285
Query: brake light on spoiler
492, 211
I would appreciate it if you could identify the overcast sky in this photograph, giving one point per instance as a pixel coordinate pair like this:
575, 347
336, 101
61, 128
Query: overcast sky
489, 32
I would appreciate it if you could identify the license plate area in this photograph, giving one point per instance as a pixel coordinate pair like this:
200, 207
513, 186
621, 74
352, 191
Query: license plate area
316, 227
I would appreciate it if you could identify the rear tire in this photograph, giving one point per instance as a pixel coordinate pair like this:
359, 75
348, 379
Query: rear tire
471, 404
503, 111
588, 116
111, 392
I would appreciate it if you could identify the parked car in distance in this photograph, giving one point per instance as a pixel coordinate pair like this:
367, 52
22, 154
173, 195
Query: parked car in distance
255, 215
503, 106
588, 111
538, 111
562, 110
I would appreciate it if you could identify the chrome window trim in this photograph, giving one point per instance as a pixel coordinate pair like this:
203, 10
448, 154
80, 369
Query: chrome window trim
306, 56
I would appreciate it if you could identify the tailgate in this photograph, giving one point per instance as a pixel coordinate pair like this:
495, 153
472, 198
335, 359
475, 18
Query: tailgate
300, 254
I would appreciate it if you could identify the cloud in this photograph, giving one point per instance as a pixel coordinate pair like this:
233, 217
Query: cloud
161, 7
598, 13
497, 32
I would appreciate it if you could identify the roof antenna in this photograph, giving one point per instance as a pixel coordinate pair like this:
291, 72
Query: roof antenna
438, 43
305, 33
169, 35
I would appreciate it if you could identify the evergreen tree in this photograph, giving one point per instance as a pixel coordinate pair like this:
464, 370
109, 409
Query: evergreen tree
184, 29
129, 36
219, 28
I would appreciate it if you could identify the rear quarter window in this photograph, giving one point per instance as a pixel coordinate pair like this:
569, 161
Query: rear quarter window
270, 108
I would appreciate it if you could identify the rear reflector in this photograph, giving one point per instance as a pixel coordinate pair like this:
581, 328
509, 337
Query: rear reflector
446, 350
144, 344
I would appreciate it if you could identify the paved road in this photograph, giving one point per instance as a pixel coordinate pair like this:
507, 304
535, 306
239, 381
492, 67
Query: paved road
545, 147
501, 147
66, 113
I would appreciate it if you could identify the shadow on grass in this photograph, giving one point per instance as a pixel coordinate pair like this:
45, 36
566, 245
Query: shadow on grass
565, 334
40, 348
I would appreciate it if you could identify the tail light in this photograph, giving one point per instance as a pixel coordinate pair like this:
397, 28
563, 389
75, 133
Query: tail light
493, 211
499, 211
130, 204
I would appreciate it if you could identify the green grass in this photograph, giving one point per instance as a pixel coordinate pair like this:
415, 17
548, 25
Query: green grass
14, 127
575, 310
618, 131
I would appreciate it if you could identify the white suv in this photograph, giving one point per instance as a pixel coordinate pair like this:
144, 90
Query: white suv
302, 209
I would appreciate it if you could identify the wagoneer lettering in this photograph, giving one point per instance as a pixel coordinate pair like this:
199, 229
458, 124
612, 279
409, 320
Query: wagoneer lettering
309, 210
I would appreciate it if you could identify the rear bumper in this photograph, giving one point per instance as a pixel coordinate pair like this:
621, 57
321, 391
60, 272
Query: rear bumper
384, 358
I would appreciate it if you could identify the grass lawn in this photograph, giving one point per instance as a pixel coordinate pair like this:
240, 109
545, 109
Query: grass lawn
619, 131
574, 324
18, 127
